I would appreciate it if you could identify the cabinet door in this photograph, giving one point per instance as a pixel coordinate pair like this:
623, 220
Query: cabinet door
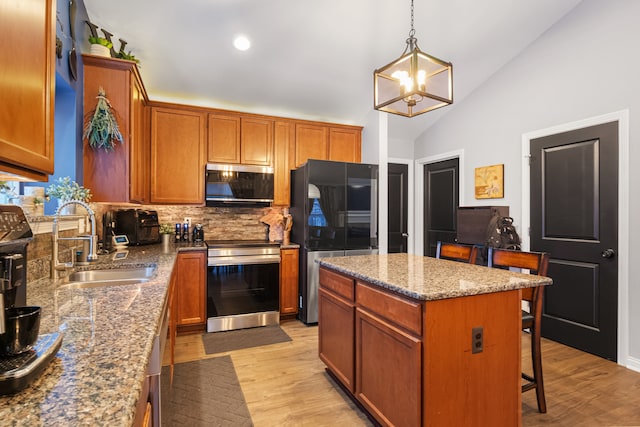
336, 336
177, 156
223, 144
256, 141
283, 139
345, 145
311, 143
107, 173
388, 365
288, 281
140, 150
27, 77
191, 288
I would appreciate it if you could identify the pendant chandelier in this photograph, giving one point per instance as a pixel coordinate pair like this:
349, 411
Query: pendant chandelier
414, 83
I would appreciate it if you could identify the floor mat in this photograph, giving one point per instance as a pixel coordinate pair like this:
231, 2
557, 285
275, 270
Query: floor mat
220, 342
204, 393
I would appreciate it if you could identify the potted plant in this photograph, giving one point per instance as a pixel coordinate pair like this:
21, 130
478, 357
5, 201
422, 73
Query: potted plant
166, 230
65, 189
100, 46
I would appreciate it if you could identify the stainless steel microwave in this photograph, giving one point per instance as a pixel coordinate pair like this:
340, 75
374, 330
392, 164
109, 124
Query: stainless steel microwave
238, 185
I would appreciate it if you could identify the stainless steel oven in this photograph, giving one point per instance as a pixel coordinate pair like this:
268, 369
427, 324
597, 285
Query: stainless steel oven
243, 284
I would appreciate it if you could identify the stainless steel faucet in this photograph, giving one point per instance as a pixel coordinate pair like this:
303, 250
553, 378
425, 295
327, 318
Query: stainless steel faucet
56, 265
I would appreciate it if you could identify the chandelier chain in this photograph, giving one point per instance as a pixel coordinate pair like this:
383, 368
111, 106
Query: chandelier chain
413, 31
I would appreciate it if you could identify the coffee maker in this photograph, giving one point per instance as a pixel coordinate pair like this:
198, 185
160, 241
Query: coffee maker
23, 353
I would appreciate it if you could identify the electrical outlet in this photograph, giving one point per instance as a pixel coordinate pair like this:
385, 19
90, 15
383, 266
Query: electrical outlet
477, 338
187, 220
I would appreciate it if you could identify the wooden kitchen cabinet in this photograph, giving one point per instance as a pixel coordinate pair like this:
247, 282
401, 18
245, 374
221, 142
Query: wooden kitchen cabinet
312, 142
223, 142
289, 281
120, 175
191, 296
336, 314
239, 139
27, 86
283, 138
412, 359
177, 155
388, 329
327, 142
345, 145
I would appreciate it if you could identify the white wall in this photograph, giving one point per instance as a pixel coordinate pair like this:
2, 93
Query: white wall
585, 66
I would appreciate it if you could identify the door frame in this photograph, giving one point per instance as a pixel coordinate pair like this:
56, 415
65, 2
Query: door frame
418, 244
622, 117
410, 204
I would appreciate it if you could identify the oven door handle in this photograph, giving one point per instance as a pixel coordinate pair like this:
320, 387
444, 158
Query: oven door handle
244, 260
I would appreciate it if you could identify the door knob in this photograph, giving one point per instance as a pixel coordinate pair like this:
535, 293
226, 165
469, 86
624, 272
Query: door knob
405, 235
608, 253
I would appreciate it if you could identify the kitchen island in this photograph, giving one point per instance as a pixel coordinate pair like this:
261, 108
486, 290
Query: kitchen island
420, 341
100, 373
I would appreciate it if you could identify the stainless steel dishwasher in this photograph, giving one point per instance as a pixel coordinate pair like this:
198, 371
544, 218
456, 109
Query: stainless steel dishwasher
155, 363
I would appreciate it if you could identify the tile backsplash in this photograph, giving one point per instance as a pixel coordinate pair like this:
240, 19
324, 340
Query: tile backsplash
218, 224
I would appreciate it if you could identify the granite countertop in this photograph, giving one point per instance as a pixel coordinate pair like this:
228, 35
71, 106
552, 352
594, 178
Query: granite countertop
97, 376
427, 278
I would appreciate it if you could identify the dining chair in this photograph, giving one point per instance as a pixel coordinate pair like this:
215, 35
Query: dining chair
536, 263
457, 252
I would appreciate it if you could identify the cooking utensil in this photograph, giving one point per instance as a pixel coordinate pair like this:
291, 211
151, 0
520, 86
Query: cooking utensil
73, 60
21, 332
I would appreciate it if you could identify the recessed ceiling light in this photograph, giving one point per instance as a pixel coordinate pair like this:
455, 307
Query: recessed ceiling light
242, 43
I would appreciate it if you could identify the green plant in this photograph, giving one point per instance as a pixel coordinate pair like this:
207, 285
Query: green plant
166, 228
121, 54
101, 129
100, 40
65, 189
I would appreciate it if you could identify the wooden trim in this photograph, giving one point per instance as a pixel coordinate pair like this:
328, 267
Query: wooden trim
213, 110
401, 311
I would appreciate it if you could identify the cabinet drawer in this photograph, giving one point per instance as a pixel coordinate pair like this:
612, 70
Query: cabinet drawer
337, 283
404, 313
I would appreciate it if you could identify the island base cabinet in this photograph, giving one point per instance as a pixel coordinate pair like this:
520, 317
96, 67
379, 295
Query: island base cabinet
336, 337
388, 371
463, 388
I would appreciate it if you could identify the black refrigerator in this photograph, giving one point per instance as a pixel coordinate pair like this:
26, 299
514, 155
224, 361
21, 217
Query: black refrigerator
335, 213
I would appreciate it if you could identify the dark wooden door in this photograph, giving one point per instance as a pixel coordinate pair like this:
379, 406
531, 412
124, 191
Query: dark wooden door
398, 182
441, 199
574, 211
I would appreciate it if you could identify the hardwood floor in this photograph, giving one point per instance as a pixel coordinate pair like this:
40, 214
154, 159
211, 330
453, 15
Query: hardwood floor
286, 385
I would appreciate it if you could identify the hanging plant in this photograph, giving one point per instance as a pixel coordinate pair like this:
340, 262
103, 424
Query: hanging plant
101, 130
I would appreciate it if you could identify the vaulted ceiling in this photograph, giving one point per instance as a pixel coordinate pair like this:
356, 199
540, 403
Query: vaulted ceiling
315, 59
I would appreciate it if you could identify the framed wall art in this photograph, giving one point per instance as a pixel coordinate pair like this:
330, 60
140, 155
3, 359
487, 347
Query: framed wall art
489, 182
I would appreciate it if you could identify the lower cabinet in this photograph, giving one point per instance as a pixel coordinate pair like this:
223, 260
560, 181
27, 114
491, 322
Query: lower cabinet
409, 362
289, 281
388, 365
191, 290
336, 342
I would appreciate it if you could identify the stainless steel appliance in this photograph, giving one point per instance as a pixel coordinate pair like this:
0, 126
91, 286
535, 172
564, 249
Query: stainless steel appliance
140, 226
238, 185
243, 284
335, 213
23, 354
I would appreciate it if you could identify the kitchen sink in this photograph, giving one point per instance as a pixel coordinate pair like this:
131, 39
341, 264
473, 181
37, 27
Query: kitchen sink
108, 277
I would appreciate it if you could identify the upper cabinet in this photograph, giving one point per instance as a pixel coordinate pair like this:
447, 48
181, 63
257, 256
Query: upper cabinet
120, 175
27, 87
327, 142
345, 144
178, 144
312, 142
240, 139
